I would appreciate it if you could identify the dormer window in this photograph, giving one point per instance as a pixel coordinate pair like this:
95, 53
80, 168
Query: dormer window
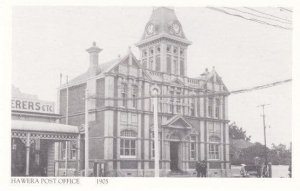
181, 52
144, 53
158, 49
168, 49
175, 50
151, 51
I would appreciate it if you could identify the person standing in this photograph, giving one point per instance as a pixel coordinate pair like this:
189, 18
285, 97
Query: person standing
198, 168
203, 169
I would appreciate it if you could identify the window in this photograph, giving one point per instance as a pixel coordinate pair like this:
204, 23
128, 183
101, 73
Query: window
145, 63
133, 118
193, 107
214, 131
217, 112
169, 64
181, 52
178, 102
134, 95
171, 100
175, 66
151, 63
182, 67
175, 50
124, 95
158, 49
151, 51
193, 148
157, 63
210, 104
128, 143
144, 53
214, 151
73, 152
123, 117
63, 150
168, 49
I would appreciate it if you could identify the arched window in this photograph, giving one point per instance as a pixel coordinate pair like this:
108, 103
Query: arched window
128, 143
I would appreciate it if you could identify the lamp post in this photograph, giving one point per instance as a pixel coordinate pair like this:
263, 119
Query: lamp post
155, 124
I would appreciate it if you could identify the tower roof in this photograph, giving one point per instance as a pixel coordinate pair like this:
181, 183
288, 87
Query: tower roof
163, 23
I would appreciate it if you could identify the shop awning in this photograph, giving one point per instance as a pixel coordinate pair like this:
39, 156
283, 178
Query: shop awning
38, 126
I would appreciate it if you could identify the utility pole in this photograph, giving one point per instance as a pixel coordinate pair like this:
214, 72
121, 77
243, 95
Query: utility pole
264, 125
86, 137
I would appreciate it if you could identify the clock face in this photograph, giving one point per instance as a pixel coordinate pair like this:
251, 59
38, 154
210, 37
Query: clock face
150, 29
176, 27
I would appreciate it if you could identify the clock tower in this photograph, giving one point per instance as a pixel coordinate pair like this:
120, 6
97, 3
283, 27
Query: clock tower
163, 47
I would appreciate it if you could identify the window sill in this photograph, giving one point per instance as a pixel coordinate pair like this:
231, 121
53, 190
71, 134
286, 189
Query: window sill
127, 157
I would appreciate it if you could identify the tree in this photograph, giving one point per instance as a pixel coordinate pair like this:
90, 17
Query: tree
256, 150
236, 132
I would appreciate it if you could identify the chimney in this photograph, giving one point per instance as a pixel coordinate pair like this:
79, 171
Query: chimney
93, 51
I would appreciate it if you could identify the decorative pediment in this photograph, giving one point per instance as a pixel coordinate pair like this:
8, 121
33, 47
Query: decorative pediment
177, 82
177, 122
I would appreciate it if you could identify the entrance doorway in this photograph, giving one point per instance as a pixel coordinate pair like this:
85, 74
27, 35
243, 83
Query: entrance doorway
174, 156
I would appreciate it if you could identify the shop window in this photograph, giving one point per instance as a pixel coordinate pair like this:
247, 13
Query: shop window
73, 152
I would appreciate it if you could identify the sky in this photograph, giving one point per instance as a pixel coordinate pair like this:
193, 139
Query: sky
47, 41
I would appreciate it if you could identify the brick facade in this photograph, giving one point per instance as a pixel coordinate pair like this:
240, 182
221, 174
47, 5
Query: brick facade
120, 131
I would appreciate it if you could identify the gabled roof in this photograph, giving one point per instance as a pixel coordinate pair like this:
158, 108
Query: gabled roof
178, 122
101, 68
212, 76
177, 82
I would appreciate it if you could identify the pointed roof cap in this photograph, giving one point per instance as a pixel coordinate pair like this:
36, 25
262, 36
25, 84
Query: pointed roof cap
164, 22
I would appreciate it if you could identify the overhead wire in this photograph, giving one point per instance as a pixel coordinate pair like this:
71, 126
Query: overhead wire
249, 19
252, 9
204, 94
